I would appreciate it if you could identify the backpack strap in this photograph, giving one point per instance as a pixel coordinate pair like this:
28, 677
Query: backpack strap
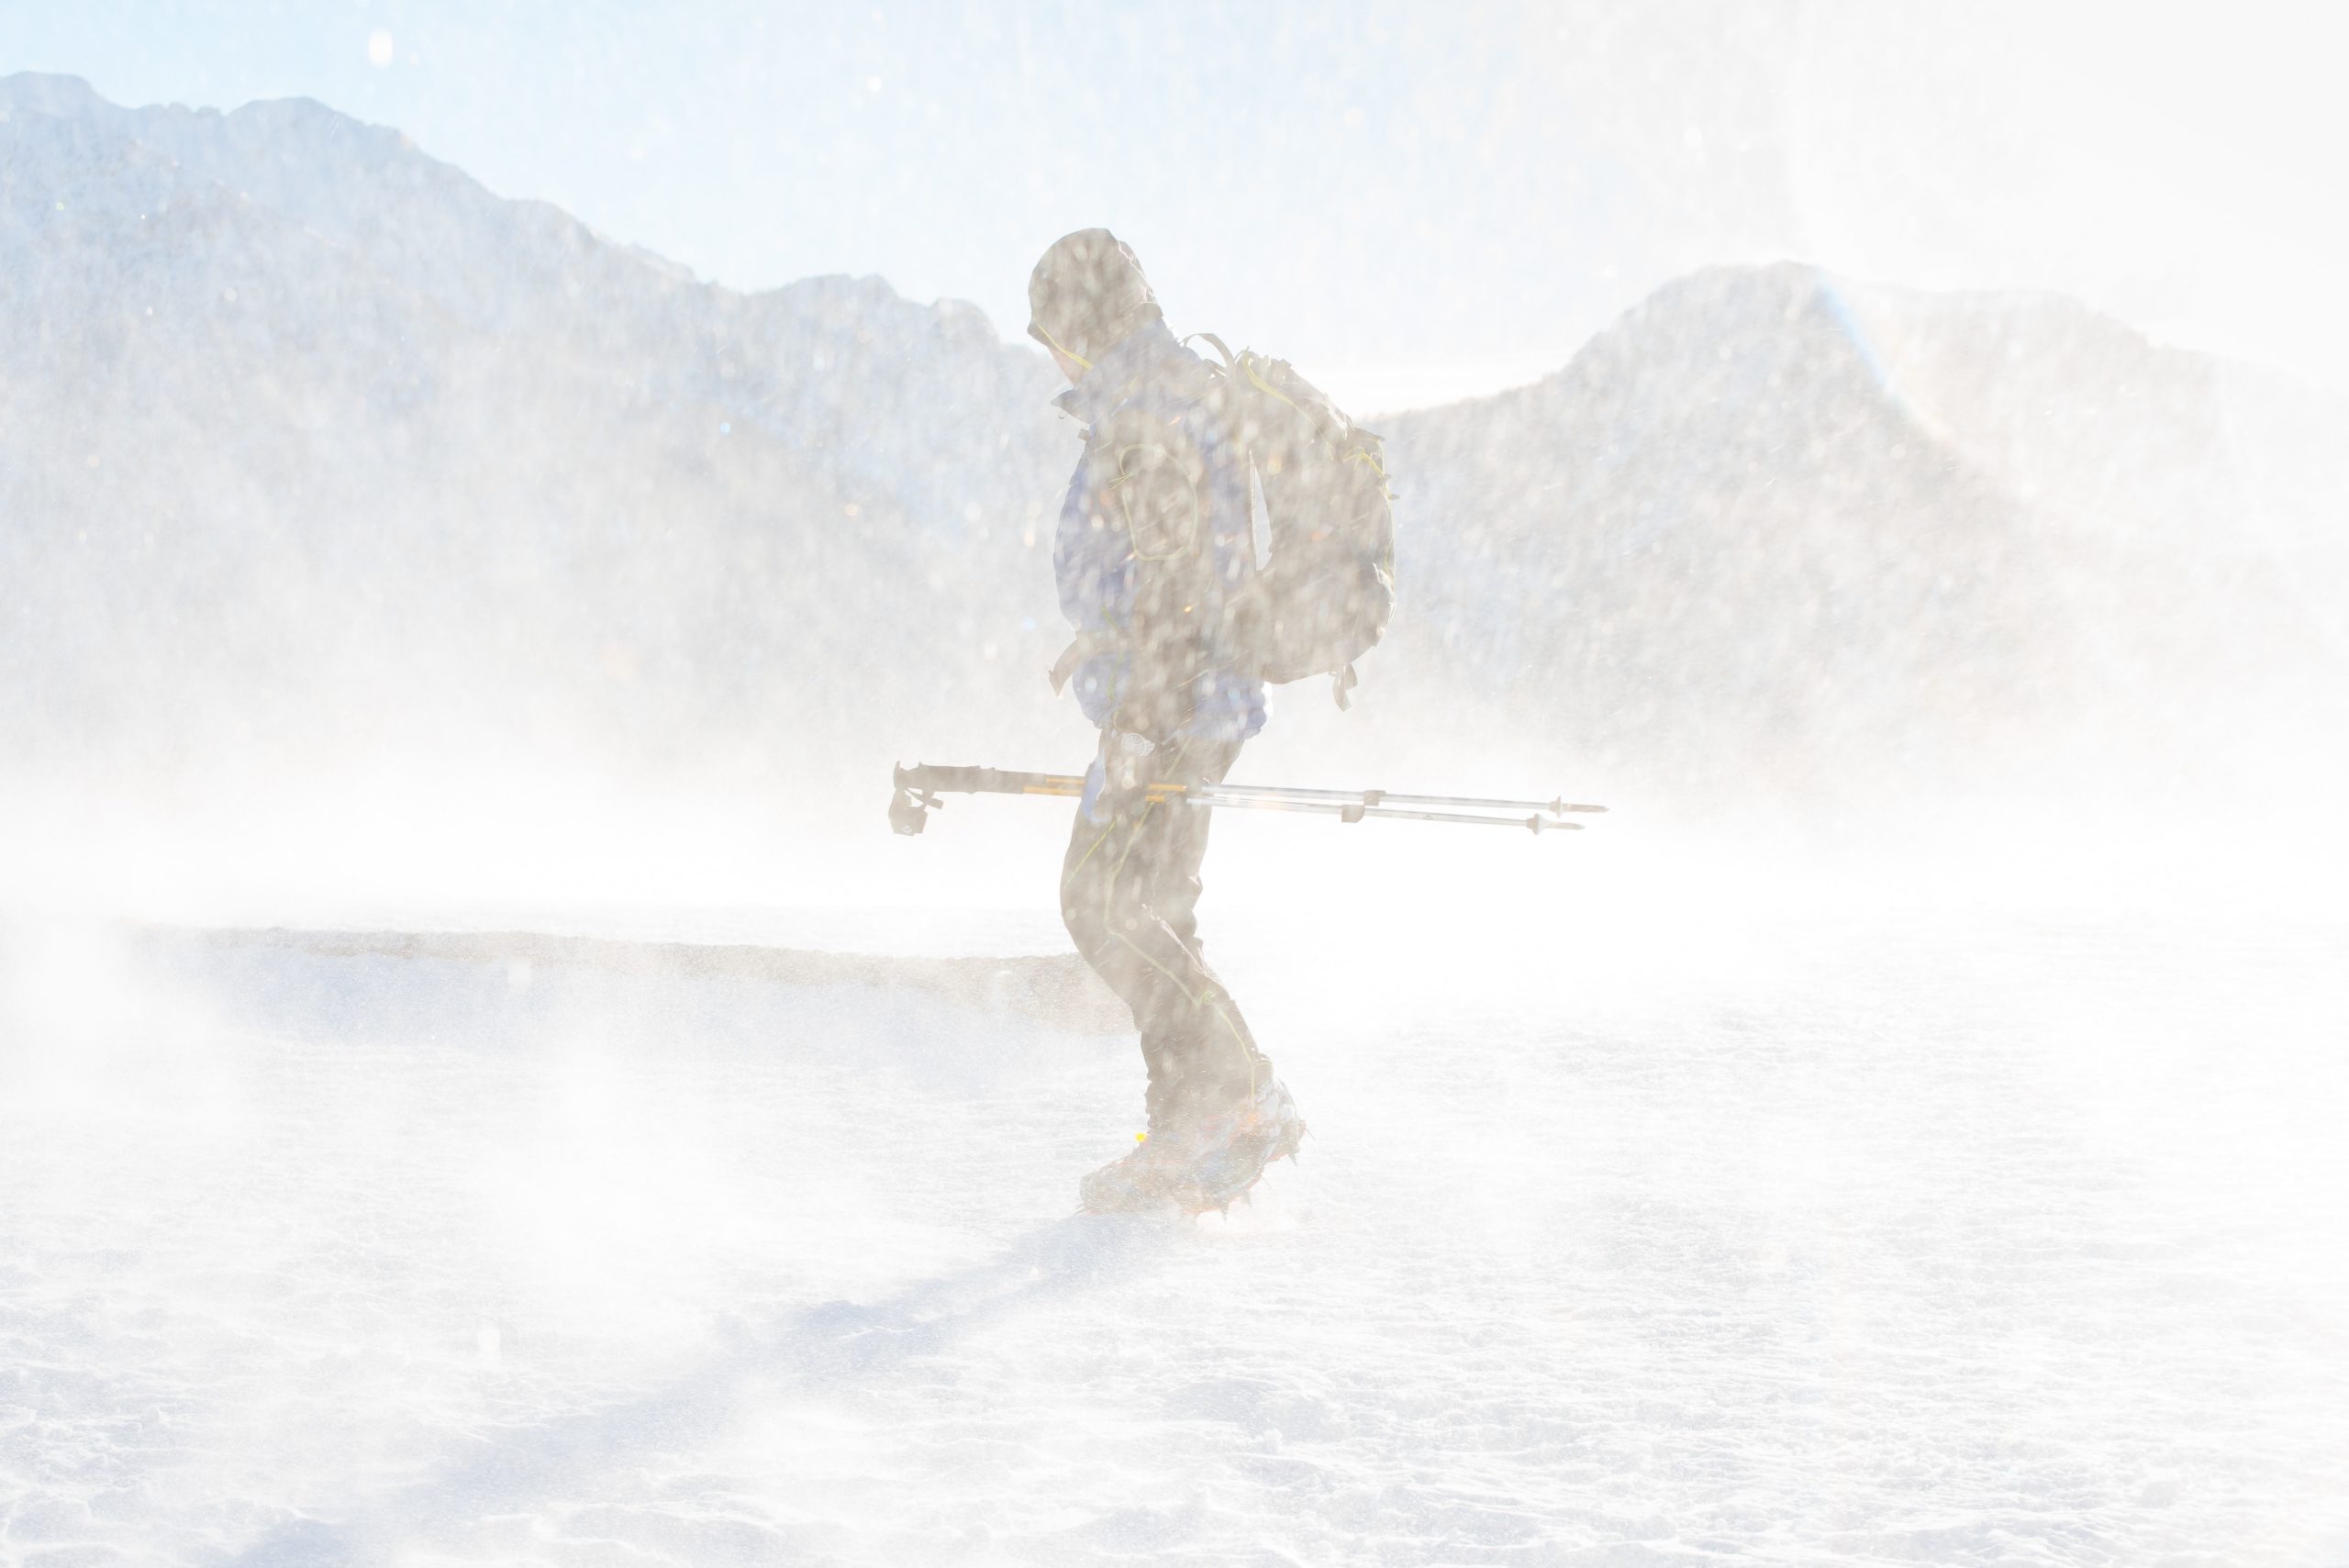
1084, 646
1231, 361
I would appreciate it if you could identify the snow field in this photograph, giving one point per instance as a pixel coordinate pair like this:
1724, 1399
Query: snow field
1867, 1242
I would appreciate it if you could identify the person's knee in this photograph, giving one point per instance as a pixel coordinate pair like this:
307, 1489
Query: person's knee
1096, 915
1084, 927
1086, 913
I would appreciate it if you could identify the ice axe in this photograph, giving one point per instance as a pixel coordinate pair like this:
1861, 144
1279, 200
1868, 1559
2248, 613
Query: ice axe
919, 786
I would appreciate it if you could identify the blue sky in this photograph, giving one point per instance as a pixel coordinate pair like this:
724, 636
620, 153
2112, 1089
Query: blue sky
1411, 201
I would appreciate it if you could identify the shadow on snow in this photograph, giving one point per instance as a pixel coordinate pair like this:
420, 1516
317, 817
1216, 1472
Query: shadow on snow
836, 1342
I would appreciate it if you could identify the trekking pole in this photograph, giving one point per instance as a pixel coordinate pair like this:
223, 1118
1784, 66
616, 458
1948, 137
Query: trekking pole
1351, 809
919, 787
1373, 797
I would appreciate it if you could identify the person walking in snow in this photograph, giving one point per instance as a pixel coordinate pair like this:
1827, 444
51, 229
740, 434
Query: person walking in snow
1154, 557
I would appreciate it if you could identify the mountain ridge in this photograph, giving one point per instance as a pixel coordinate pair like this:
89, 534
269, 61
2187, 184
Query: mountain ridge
287, 421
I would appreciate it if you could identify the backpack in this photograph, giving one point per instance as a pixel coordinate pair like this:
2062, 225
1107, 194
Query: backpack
1328, 592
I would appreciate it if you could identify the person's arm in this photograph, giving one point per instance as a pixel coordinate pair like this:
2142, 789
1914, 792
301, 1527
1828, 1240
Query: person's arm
1093, 568
1220, 699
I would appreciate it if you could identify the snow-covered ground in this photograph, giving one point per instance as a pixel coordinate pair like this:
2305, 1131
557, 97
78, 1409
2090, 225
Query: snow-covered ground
1650, 1236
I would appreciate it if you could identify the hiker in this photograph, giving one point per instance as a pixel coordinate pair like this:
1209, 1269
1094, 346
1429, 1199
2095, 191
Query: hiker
1156, 559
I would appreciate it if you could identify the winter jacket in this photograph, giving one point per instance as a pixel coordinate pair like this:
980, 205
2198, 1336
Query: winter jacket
1155, 554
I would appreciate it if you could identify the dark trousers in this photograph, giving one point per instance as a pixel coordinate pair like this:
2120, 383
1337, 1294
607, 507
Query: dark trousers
1129, 889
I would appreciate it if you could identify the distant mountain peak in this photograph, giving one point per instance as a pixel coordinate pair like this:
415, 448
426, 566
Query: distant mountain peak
47, 93
295, 411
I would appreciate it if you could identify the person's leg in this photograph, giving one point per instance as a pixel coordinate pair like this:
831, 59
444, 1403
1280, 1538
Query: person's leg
1210, 1056
1129, 888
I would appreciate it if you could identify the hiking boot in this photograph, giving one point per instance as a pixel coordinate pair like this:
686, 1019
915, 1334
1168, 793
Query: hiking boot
1202, 1163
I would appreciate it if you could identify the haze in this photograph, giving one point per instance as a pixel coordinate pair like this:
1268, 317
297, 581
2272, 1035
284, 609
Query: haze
488, 493
1421, 202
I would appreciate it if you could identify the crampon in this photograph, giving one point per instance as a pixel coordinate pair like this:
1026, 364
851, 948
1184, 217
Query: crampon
1206, 1165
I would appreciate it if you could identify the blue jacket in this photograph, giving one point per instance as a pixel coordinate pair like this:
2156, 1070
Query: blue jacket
1160, 616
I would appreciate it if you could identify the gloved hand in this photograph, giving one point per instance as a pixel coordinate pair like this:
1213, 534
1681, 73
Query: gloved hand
1123, 763
1126, 758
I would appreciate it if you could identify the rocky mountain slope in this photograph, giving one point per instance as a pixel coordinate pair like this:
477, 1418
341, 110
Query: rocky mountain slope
305, 430
311, 446
1773, 527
